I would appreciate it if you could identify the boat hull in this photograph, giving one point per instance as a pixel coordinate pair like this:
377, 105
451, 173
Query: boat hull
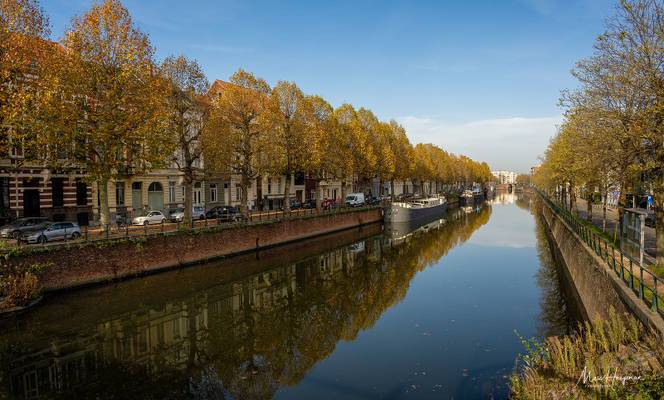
398, 213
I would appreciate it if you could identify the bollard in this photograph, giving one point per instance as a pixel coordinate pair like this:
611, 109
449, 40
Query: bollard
126, 230
162, 226
107, 231
145, 229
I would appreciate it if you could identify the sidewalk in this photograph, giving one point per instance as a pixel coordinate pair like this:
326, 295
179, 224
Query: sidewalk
611, 220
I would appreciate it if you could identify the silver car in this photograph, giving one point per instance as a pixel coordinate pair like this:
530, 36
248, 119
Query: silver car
16, 228
196, 213
52, 232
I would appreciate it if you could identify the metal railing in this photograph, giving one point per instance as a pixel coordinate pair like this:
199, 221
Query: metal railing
126, 231
643, 283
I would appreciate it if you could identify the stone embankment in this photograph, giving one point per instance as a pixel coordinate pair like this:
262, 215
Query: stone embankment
77, 265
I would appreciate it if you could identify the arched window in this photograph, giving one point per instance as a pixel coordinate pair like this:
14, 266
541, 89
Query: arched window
155, 187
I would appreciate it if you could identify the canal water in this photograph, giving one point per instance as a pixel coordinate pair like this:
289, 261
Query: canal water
394, 312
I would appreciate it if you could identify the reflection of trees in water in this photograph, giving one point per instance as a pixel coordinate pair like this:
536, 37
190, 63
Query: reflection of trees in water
524, 201
555, 317
255, 334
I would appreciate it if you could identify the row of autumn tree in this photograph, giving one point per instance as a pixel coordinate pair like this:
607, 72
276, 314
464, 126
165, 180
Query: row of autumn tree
97, 100
612, 135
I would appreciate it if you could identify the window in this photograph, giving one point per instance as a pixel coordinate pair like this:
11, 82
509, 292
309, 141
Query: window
171, 192
57, 192
137, 186
81, 193
238, 192
213, 192
154, 187
269, 185
119, 193
4, 192
279, 185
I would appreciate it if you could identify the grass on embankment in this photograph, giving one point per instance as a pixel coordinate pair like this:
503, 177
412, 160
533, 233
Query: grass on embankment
615, 359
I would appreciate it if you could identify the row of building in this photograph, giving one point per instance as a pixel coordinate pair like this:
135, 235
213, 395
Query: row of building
506, 177
29, 188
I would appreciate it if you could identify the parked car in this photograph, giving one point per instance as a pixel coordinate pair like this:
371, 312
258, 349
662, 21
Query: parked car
311, 203
294, 205
355, 199
197, 212
152, 217
372, 200
328, 204
224, 213
16, 228
650, 219
52, 232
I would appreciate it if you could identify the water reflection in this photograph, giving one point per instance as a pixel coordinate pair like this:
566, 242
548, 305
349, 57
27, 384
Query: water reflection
195, 334
398, 311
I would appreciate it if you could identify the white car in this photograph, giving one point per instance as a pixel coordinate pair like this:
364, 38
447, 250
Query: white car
153, 217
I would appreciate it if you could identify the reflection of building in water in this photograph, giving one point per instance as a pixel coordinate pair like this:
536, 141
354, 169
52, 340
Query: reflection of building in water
258, 332
507, 177
504, 198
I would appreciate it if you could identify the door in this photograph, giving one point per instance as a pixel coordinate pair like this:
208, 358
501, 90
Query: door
31, 203
137, 198
155, 196
55, 232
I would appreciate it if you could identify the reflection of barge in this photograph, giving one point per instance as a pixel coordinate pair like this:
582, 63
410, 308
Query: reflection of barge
470, 197
404, 211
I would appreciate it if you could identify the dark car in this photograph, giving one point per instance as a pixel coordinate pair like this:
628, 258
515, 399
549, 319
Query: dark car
223, 213
16, 228
372, 201
309, 204
294, 205
650, 219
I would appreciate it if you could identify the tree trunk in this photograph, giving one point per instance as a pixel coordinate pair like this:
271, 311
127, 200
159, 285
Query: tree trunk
659, 226
343, 191
319, 195
188, 199
622, 199
287, 191
244, 196
572, 200
563, 196
589, 208
392, 189
104, 212
606, 198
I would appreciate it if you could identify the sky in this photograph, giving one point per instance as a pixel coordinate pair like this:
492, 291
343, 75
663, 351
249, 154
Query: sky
480, 78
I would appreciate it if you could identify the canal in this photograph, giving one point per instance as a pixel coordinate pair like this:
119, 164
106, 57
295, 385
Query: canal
429, 312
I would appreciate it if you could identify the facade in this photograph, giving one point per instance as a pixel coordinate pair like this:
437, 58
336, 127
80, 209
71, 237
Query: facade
31, 190
507, 177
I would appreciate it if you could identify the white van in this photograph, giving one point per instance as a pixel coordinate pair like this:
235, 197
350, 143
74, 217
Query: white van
355, 199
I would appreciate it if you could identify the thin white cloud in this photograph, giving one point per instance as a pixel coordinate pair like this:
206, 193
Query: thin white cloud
505, 143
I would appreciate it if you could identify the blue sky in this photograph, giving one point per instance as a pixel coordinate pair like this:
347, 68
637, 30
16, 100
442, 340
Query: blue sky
475, 77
